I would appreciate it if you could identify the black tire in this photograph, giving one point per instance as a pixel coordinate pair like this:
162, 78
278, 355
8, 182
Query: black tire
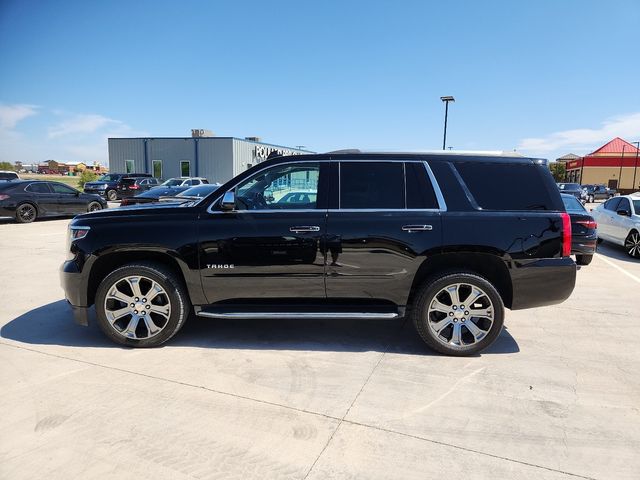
600, 241
94, 207
26, 213
427, 294
112, 195
584, 259
632, 244
174, 293
591, 199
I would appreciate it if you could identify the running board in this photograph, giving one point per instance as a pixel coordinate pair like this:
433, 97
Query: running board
299, 315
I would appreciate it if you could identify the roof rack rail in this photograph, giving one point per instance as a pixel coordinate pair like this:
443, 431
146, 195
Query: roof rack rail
346, 150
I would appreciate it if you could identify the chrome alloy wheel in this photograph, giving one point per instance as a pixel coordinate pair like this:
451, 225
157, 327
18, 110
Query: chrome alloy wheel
460, 315
137, 307
632, 244
27, 212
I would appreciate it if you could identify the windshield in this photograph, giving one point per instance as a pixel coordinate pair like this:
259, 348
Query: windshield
572, 203
199, 191
173, 182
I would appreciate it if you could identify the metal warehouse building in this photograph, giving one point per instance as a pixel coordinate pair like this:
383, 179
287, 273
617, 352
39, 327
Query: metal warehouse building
217, 158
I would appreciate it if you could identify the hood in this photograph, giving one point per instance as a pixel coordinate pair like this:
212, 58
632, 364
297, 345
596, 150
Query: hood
143, 209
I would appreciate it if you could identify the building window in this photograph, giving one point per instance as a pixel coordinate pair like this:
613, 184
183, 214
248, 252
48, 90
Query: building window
185, 168
129, 166
157, 168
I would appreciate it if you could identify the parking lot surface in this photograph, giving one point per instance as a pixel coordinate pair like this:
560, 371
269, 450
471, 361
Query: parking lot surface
557, 396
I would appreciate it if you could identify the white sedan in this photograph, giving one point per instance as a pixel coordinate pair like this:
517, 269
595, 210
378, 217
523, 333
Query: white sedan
619, 222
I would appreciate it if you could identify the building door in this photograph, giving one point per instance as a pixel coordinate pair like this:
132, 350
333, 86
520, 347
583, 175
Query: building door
269, 246
613, 184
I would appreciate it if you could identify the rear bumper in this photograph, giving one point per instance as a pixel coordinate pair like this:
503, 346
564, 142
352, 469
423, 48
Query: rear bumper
537, 283
584, 245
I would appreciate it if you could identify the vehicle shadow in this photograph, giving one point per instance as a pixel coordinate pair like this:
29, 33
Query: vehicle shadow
618, 252
52, 324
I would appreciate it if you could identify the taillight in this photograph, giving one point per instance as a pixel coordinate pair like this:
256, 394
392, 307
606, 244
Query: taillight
3, 197
566, 234
590, 224
134, 187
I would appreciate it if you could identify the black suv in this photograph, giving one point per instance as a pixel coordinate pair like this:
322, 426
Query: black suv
107, 185
128, 187
447, 239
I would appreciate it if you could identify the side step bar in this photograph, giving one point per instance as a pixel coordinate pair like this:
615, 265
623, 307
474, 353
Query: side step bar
299, 315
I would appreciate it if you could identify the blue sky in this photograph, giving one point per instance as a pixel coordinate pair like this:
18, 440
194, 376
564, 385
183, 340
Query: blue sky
543, 77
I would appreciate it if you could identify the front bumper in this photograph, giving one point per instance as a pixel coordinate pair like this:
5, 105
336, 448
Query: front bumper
96, 191
74, 286
537, 283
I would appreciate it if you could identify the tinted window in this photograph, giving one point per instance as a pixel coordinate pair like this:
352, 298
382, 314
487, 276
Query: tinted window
127, 181
503, 186
60, 188
38, 188
372, 185
420, 193
572, 204
624, 205
636, 206
612, 204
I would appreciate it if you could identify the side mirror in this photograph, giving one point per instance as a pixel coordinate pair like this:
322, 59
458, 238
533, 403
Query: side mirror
623, 213
228, 201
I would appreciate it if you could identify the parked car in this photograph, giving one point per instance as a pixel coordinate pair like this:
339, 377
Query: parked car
448, 239
584, 230
27, 200
7, 175
619, 222
128, 187
184, 182
152, 195
193, 193
107, 185
572, 189
298, 198
591, 193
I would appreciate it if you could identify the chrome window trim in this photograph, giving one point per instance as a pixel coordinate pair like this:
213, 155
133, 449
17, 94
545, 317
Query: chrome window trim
436, 187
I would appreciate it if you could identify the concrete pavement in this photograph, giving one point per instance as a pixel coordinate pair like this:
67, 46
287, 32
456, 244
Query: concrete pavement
557, 396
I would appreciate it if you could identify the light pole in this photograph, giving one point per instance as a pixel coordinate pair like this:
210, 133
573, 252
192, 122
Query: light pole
446, 101
635, 165
620, 175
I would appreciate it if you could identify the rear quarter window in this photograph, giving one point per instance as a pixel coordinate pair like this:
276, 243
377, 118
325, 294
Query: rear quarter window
509, 186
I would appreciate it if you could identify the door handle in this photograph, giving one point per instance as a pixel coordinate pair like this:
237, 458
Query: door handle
416, 228
304, 228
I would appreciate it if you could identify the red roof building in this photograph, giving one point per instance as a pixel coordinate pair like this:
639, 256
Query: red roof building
615, 164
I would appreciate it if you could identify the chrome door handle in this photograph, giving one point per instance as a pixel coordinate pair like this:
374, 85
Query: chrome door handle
417, 228
305, 228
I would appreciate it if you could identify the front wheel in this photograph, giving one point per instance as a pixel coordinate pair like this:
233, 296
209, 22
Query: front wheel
141, 305
458, 314
584, 259
632, 244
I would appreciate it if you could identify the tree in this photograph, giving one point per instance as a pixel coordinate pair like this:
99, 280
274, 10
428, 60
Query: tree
558, 170
86, 176
7, 166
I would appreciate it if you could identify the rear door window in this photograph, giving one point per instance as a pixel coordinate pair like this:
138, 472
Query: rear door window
507, 186
372, 185
420, 193
38, 188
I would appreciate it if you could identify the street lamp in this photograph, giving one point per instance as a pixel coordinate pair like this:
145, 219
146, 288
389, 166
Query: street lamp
635, 165
446, 101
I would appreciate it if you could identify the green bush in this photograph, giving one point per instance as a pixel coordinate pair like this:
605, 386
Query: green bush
86, 176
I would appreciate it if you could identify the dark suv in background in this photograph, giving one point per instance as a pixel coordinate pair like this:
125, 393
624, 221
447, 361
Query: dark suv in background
128, 187
449, 240
107, 185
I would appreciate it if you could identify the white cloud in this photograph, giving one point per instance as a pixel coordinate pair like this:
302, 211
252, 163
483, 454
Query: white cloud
84, 124
585, 139
10, 115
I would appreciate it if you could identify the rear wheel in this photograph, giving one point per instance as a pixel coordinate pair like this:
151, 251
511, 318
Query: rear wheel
584, 259
141, 305
632, 244
112, 195
458, 314
590, 198
94, 206
26, 213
